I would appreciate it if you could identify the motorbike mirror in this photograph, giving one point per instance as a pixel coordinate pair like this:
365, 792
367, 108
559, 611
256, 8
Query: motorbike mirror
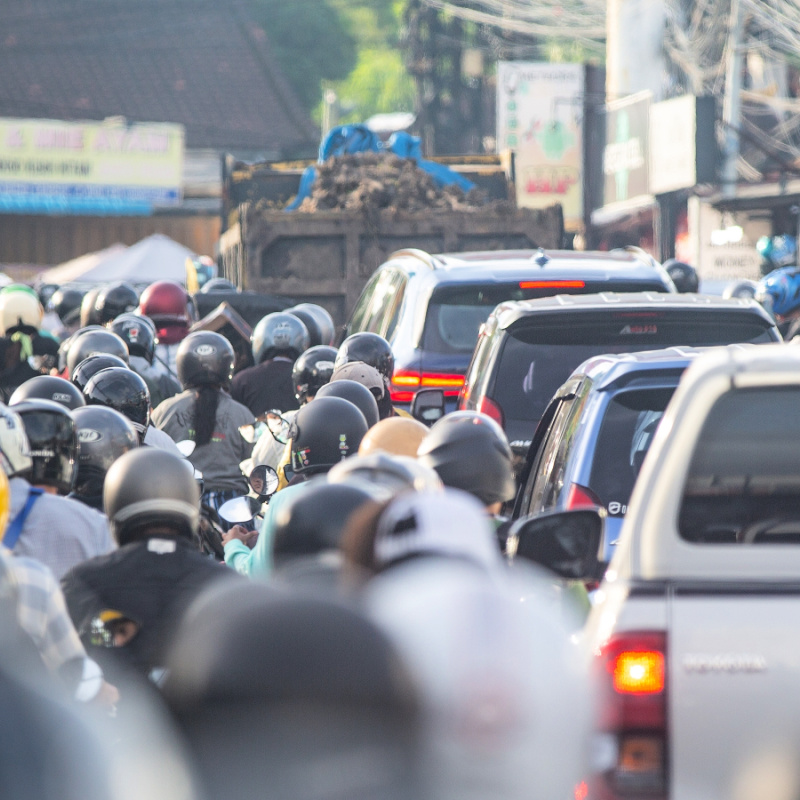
186, 446
263, 480
240, 510
428, 405
277, 425
565, 542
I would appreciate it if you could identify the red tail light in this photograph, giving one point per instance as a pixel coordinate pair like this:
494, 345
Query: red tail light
633, 716
488, 406
405, 384
552, 284
581, 497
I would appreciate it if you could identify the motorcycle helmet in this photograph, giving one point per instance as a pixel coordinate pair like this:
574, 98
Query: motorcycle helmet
776, 252
388, 474
369, 377
743, 290
311, 322
148, 486
358, 395
170, 308
88, 312
137, 333
20, 310
115, 299
15, 451
398, 436
45, 291
124, 391
311, 371
324, 320
313, 522
324, 432
205, 358
469, 451
50, 430
279, 333
684, 276
92, 365
779, 292
103, 436
48, 387
66, 304
93, 342
216, 285
370, 348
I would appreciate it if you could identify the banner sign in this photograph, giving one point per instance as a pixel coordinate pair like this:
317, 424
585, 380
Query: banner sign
540, 118
110, 167
625, 163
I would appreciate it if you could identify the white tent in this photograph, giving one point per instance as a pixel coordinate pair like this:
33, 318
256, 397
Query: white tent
155, 258
76, 269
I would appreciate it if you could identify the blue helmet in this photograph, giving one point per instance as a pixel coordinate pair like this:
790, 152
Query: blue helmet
779, 292
776, 252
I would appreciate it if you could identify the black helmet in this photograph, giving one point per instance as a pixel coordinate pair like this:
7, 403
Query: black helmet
138, 333
205, 358
48, 387
312, 370
316, 523
45, 291
88, 311
54, 444
115, 299
357, 394
311, 321
470, 452
91, 366
66, 303
124, 391
103, 436
150, 486
369, 348
95, 341
279, 333
324, 320
684, 276
216, 285
324, 432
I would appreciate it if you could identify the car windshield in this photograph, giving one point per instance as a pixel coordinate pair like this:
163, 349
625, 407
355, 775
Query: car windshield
629, 423
537, 359
743, 485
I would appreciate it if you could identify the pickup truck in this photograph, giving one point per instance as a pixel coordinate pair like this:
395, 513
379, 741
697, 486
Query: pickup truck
694, 631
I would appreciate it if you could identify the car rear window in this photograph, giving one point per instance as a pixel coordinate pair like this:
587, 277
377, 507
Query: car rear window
455, 313
537, 359
629, 423
743, 485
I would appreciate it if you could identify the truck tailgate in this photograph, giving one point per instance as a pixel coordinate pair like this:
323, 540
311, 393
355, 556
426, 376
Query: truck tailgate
734, 692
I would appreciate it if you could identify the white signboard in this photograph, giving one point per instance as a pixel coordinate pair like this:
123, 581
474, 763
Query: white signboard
673, 144
540, 118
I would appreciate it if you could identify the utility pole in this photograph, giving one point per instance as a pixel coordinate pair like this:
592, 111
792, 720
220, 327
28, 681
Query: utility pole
732, 102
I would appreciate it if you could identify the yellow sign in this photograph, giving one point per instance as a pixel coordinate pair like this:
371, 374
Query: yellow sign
89, 167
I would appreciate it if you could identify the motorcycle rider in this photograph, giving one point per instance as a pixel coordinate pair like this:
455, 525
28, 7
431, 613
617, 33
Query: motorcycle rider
49, 387
64, 309
92, 342
153, 505
171, 309
278, 340
114, 299
20, 343
55, 530
206, 414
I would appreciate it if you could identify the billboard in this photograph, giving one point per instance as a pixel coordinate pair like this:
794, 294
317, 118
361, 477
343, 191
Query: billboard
625, 161
111, 167
540, 118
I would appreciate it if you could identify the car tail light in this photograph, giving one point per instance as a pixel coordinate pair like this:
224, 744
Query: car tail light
632, 726
405, 384
552, 284
581, 497
488, 406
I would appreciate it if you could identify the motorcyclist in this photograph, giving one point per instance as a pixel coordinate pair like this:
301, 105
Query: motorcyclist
20, 343
206, 414
322, 433
779, 293
114, 299
153, 505
278, 340
54, 530
65, 305
103, 436
92, 342
170, 307
139, 334
49, 387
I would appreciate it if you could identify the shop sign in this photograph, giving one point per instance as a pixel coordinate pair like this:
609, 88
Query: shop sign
625, 159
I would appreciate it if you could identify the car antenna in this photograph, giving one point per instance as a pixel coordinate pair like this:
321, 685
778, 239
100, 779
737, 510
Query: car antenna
541, 258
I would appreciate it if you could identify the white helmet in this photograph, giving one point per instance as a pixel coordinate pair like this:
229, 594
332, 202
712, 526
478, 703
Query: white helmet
19, 308
15, 452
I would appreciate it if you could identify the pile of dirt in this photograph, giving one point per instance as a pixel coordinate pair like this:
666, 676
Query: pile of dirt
374, 181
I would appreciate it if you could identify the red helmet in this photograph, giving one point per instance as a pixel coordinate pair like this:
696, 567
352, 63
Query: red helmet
170, 308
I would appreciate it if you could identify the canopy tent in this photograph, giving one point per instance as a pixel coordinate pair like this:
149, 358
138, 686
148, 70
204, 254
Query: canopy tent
154, 258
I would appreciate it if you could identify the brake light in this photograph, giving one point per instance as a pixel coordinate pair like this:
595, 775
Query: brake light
633, 713
552, 284
405, 384
488, 406
581, 497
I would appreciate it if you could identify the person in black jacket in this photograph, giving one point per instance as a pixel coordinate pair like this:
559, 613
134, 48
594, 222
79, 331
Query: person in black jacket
126, 605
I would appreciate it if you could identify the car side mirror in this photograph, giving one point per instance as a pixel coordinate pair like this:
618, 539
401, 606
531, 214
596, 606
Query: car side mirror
565, 542
428, 405
263, 481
